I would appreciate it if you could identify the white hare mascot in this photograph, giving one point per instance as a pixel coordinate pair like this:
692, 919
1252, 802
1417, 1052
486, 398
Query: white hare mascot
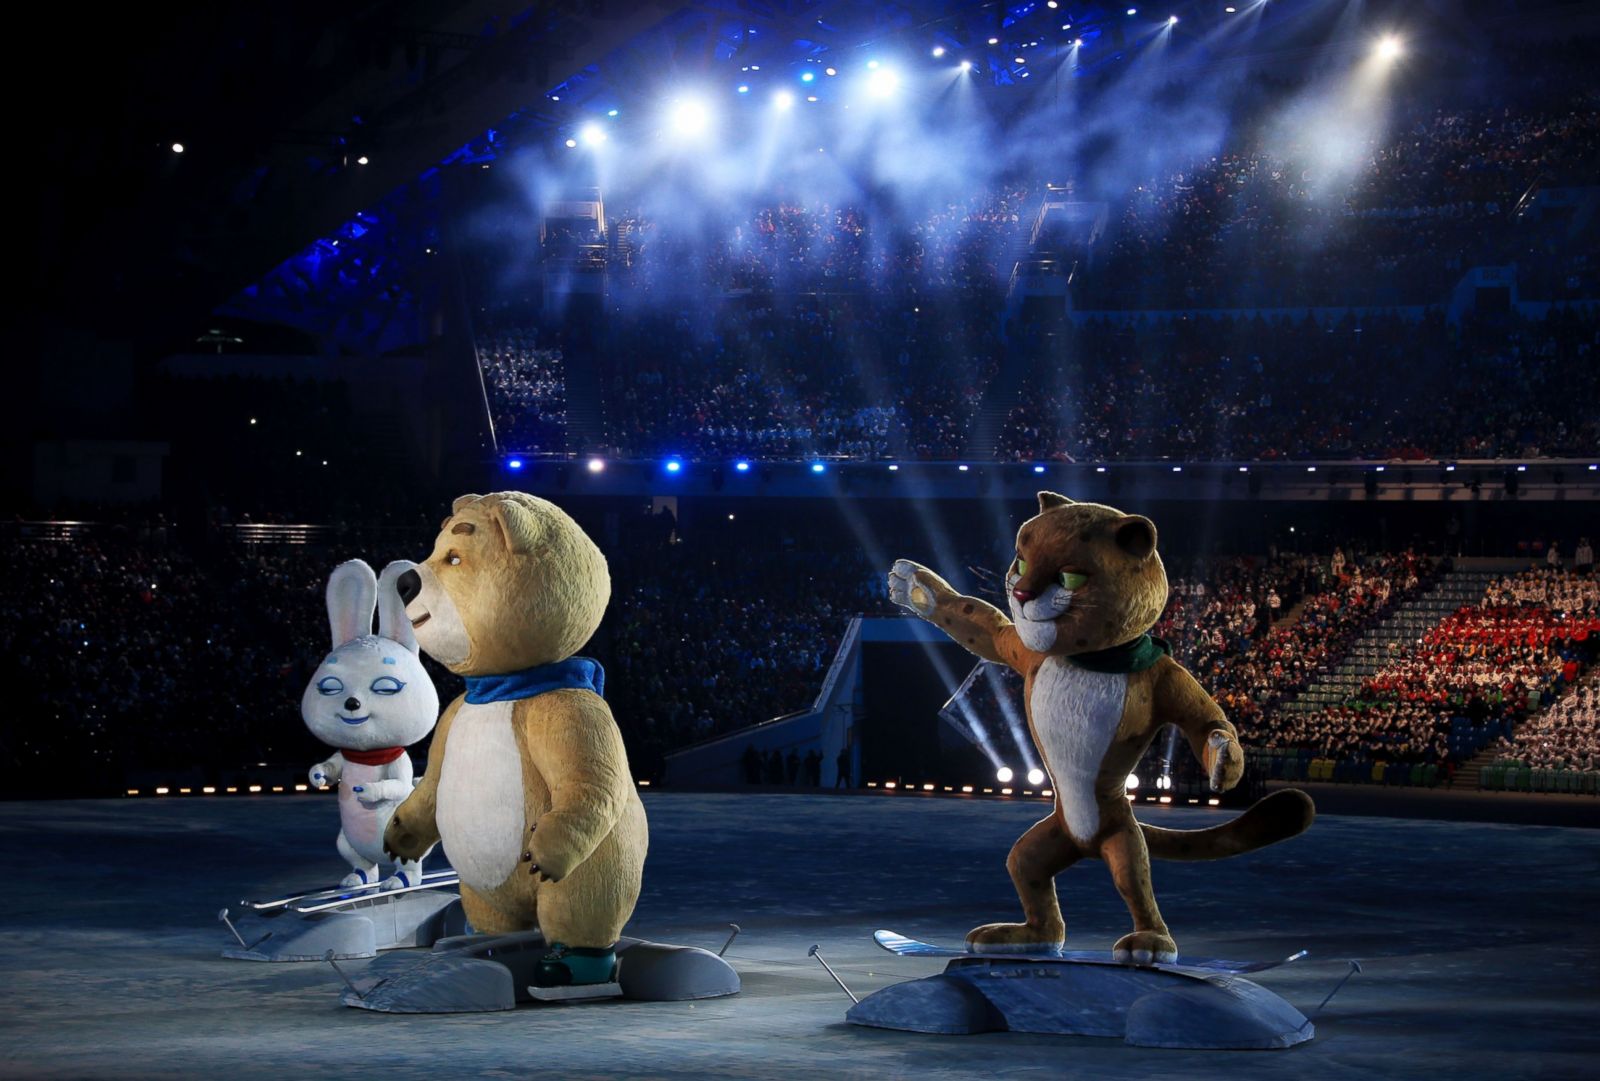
370, 698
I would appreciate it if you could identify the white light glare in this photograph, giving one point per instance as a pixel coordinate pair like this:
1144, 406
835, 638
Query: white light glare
966, 65
938, 50
1172, 20
1003, 775
596, 465
783, 100
571, 143
690, 117
1036, 776
1390, 48
177, 148
592, 134
882, 83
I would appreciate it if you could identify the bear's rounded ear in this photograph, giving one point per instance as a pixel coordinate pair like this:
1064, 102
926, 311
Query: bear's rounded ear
1136, 535
462, 501
1048, 500
518, 524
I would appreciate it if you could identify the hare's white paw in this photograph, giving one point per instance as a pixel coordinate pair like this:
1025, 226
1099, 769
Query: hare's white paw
318, 777
368, 794
358, 878
906, 591
405, 876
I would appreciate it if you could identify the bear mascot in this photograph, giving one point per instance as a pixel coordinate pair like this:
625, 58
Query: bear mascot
528, 786
1084, 589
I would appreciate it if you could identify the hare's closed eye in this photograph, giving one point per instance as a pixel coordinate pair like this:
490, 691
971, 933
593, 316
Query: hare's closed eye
330, 685
387, 685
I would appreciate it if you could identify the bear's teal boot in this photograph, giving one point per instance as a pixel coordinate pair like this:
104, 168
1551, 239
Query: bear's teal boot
569, 966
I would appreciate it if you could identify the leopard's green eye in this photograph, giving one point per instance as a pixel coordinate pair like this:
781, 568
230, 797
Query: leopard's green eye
1020, 566
1072, 579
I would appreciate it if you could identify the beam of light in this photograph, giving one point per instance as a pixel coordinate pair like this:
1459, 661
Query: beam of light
592, 134
882, 83
1390, 48
783, 101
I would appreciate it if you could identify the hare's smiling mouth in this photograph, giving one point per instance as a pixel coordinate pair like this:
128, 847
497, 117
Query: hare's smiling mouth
353, 720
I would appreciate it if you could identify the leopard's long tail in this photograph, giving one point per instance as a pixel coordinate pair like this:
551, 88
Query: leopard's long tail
1284, 814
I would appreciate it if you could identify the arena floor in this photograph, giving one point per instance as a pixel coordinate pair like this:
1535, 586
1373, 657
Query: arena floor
1477, 940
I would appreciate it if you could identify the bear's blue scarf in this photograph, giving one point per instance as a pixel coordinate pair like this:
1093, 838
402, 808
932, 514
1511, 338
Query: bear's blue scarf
574, 673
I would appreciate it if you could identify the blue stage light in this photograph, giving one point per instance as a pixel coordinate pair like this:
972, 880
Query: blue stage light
743, 467
674, 465
1038, 469
744, 88
818, 467
807, 76
513, 463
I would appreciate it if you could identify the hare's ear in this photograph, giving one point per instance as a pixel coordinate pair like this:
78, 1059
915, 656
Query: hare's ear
352, 596
392, 620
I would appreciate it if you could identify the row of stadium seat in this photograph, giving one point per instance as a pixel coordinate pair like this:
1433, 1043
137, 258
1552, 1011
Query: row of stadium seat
1514, 777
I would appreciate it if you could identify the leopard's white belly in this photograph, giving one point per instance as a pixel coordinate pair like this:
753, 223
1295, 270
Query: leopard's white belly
480, 811
1075, 716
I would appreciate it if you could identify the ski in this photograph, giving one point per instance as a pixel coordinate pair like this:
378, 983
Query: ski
910, 947
328, 892
441, 881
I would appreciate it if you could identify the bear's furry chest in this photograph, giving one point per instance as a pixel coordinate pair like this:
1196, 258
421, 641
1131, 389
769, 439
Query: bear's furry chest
481, 809
1075, 715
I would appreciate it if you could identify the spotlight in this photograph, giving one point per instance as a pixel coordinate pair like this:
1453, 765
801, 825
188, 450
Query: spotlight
1003, 775
1390, 47
571, 143
744, 88
896, 469
1077, 43
1133, 781
592, 134
177, 148
742, 467
1133, 11
611, 112
994, 41
830, 71
963, 468
362, 160
882, 83
674, 465
966, 65
690, 117
872, 65
938, 50
1230, 9
596, 465
818, 467
1051, 4
514, 464
783, 101
1172, 20
1036, 776
807, 76
1019, 60
1038, 469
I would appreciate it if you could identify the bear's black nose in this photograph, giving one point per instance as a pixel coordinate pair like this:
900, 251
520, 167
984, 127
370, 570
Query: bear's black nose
352, 704
408, 585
